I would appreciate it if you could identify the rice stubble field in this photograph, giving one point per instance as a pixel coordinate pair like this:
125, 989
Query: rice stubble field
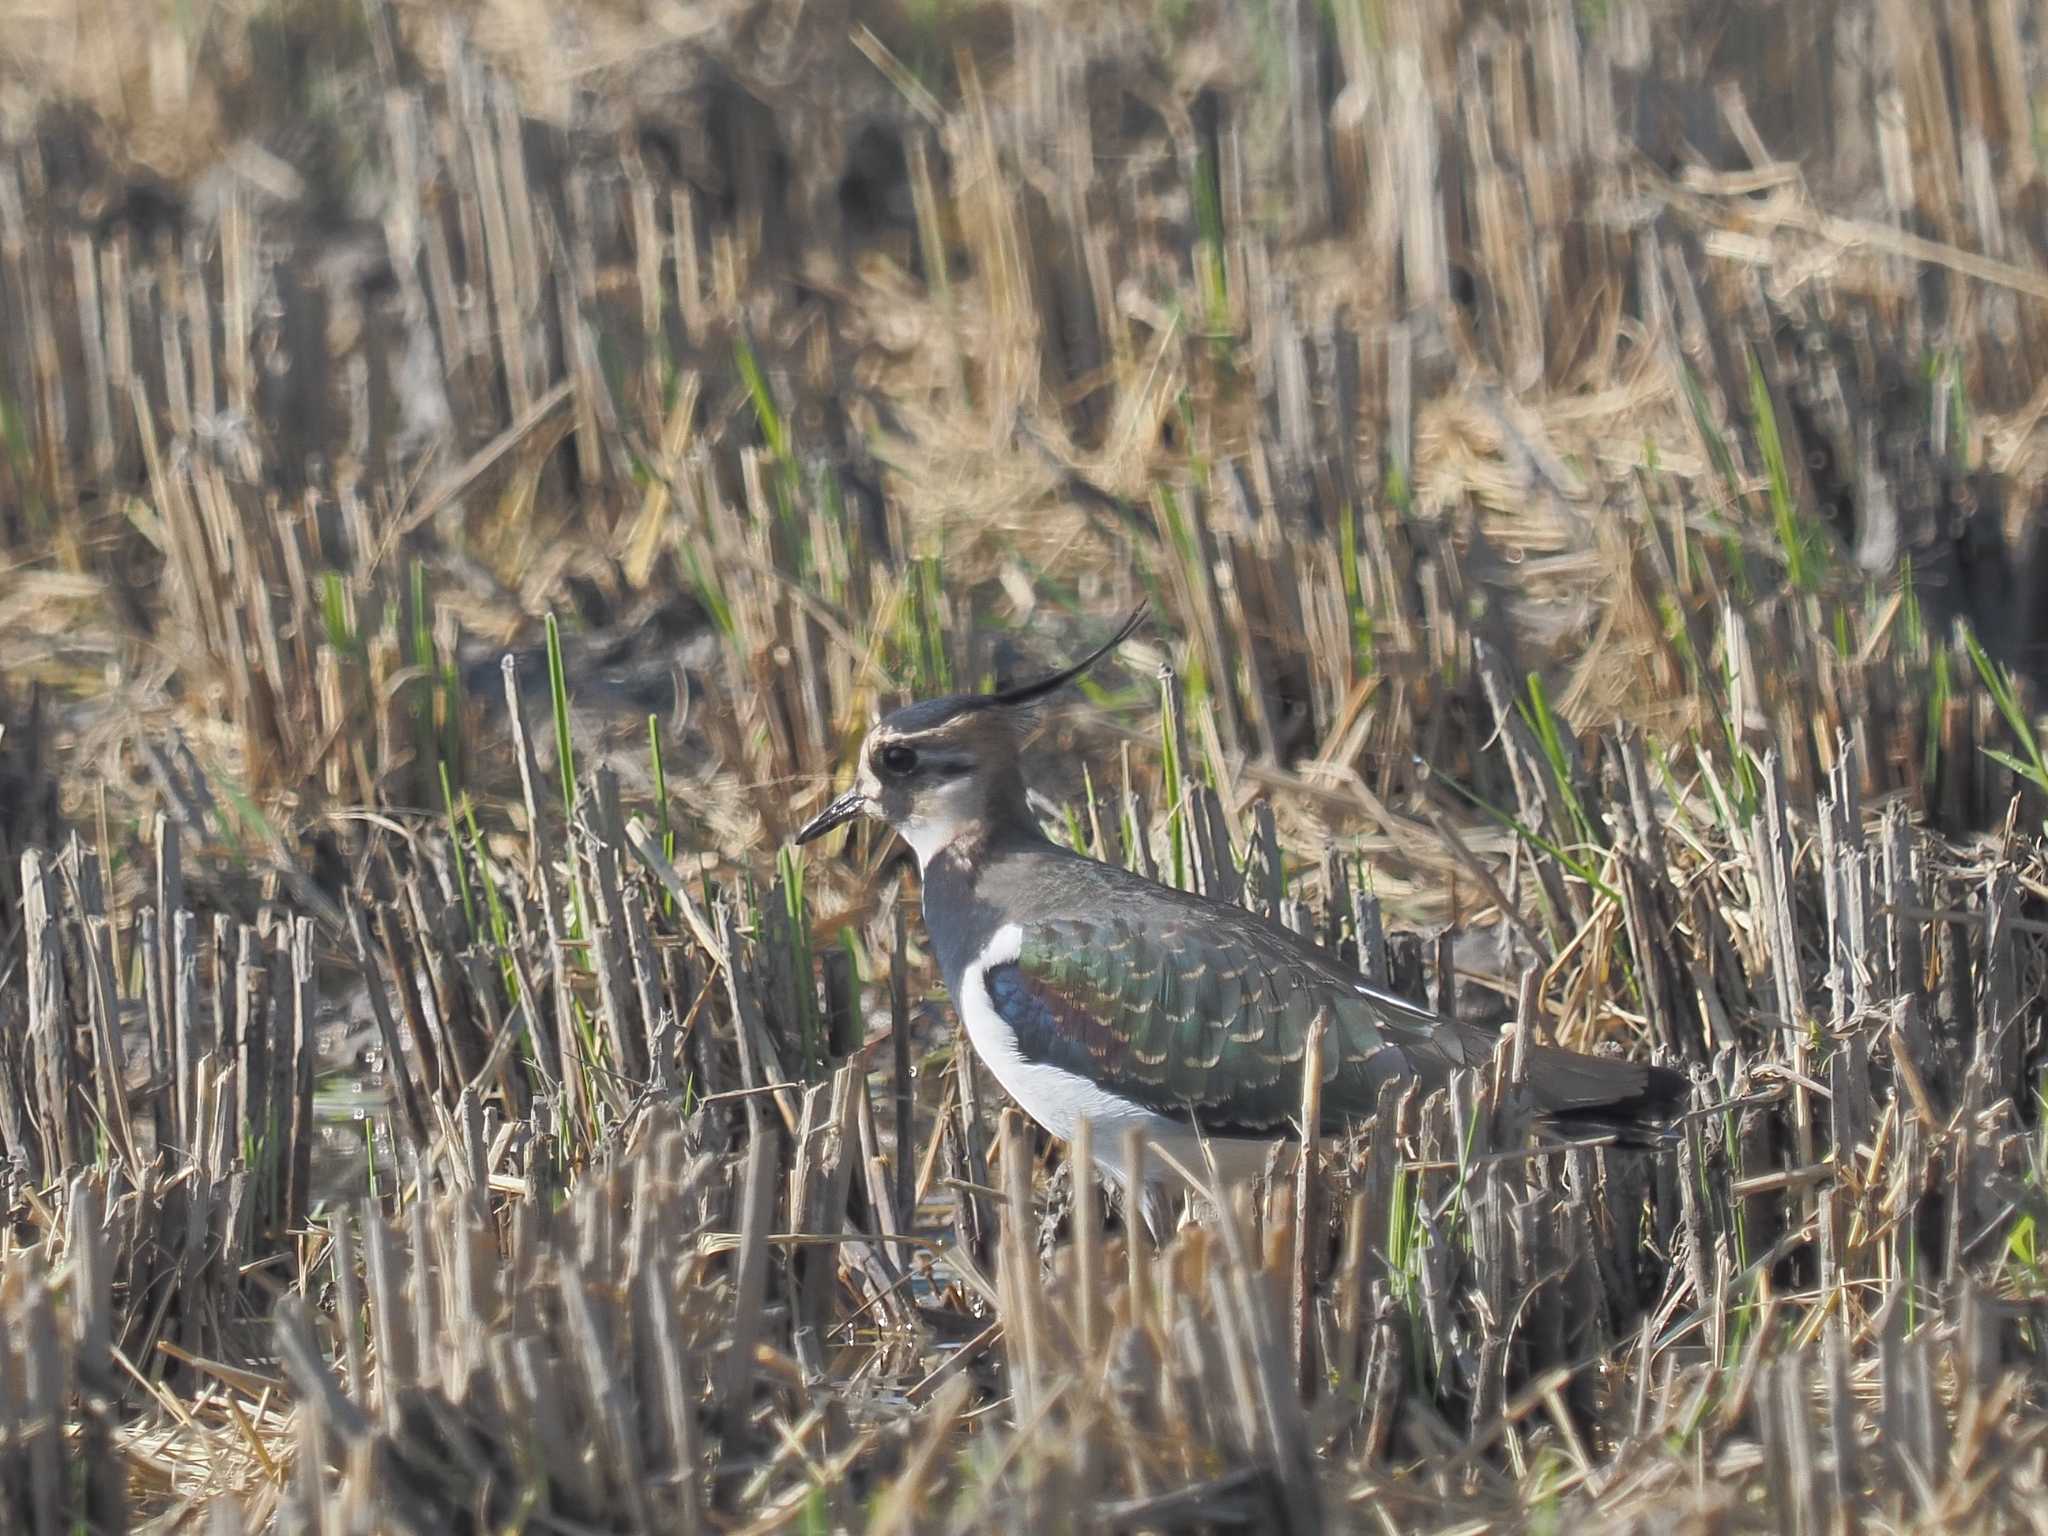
469, 475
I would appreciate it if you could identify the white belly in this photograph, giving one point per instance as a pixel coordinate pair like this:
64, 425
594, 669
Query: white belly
1060, 1100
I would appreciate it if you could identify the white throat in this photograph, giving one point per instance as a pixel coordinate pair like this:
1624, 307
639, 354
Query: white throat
939, 818
929, 835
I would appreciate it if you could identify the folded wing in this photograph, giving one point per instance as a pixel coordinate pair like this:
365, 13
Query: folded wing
1210, 1026
1207, 1022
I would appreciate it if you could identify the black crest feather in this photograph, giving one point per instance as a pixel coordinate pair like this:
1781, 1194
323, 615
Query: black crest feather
1028, 693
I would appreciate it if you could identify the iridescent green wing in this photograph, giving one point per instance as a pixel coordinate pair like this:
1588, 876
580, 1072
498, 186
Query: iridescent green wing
1203, 1019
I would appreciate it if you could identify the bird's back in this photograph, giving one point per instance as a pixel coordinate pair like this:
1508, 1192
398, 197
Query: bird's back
1201, 1010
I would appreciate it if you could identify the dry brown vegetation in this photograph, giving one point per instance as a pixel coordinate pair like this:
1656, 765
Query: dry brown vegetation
468, 472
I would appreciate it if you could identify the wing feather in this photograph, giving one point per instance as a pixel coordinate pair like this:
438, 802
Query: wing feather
1201, 1012
1208, 1027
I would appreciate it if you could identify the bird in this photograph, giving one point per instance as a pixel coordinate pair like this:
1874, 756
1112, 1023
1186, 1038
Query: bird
1091, 992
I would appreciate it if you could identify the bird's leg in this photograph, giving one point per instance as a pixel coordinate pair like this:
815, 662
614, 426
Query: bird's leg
1156, 1205
1151, 1201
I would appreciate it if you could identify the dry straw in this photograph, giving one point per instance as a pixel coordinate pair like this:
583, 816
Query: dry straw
1584, 457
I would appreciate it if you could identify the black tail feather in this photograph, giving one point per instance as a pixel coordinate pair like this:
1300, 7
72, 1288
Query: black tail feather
1589, 1097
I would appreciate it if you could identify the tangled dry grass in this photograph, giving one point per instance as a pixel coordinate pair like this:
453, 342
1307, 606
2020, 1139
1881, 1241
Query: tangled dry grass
469, 471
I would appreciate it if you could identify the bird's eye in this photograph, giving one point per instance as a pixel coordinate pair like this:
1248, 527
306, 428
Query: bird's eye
898, 759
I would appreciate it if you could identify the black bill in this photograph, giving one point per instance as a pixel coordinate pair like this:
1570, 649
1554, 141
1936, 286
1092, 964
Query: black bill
849, 805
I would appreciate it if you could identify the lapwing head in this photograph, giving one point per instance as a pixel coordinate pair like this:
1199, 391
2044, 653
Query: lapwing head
944, 768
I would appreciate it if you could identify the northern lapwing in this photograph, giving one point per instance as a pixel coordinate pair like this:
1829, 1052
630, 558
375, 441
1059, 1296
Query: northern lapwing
1090, 991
